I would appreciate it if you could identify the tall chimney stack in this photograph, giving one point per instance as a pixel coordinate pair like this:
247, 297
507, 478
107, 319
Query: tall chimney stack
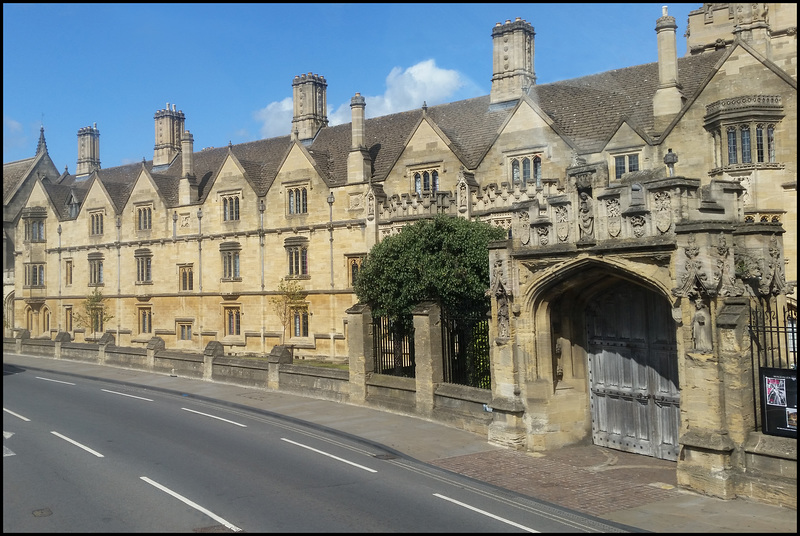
169, 128
187, 153
359, 167
512, 60
88, 151
187, 186
668, 99
310, 105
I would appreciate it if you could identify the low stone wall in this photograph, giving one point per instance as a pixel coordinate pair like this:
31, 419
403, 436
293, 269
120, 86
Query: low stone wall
43, 347
78, 351
392, 392
184, 364
240, 371
123, 356
463, 407
318, 382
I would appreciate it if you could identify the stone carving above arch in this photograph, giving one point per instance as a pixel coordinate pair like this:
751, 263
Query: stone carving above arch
613, 218
663, 212
693, 280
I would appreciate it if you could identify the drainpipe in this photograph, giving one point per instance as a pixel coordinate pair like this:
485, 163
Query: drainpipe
331, 199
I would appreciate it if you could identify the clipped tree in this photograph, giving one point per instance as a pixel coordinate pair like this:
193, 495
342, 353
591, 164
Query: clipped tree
444, 260
290, 298
95, 313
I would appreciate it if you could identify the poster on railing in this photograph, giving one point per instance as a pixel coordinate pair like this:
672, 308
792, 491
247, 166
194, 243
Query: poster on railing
779, 402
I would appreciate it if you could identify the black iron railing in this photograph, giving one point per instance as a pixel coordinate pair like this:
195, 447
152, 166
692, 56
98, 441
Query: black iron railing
393, 344
773, 347
465, 351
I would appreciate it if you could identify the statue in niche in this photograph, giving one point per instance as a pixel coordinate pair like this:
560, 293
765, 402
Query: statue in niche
502, 315
701, 327
586, 215
561, 345
498, 289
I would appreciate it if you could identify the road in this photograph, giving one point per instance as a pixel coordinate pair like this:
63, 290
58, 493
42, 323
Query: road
83, 455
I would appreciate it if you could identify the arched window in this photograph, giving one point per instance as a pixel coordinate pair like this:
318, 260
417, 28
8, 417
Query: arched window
297, 200
230, 260
537, 171
526, 172
515, 172
746, 156
230, 208
732, 152
771, 142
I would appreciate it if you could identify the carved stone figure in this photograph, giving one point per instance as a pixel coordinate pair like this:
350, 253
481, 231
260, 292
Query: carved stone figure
701, 327
502, 316
586, 212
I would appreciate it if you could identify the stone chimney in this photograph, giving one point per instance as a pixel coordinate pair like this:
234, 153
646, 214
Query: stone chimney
310, 105
187, 187
512, 60
359, 166
88, 151
169, 129
668, 99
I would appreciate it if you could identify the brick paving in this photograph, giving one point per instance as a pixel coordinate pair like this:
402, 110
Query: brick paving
588, 479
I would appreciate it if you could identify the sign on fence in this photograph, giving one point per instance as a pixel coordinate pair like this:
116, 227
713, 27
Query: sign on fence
779, 401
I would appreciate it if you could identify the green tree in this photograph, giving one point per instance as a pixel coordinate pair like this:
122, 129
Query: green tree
444, 259
95, 312
290, 298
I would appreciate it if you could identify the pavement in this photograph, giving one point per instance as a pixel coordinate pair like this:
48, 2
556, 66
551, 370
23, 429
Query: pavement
628, 489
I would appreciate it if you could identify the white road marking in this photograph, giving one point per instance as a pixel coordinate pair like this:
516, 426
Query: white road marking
504, 520
196, 506
54, 381
215, 417
84, 447
7, 451
17, 415
124, 394
329, 455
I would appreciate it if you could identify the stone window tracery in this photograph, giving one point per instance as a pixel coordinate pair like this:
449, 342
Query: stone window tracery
426, 180
743, 129
526, 170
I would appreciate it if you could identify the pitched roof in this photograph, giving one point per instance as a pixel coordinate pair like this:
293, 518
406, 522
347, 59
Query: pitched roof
588, 110
13, 174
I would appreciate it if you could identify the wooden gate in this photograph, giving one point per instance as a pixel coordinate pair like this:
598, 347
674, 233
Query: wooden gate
633, 373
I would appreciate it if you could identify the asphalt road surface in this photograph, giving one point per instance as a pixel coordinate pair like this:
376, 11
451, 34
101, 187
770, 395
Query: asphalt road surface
84, 455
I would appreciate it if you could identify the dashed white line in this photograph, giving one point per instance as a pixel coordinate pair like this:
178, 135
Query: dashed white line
215, 417
504, 520
329, 455
125, 394
84, 447
7, 451
17, 415
194, 505
54, 381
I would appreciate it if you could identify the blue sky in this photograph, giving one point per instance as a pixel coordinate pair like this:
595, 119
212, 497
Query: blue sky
229, 67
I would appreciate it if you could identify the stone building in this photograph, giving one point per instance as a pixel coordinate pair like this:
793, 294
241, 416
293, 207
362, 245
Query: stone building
647, 208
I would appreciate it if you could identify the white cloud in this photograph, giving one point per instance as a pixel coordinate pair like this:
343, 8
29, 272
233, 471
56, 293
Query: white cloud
276, 118
13, 136
405, 90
